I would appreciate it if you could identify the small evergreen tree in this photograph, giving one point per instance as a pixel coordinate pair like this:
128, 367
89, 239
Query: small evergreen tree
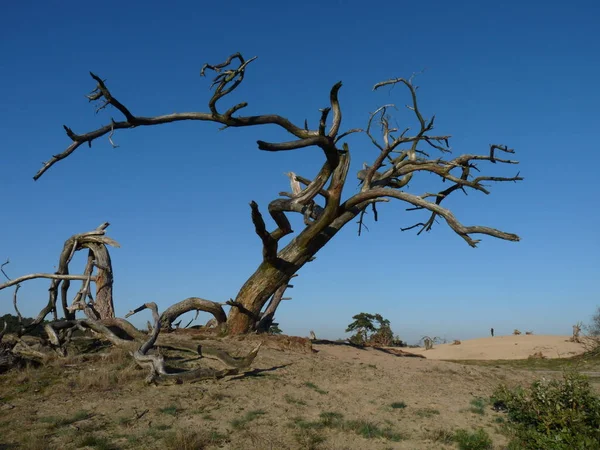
363, 326
366, 332
274, 329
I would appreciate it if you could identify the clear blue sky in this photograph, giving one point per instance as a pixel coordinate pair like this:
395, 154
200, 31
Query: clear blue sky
519, 73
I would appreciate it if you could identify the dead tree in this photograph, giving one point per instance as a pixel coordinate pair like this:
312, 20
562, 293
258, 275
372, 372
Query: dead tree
100, 307
429, 341
400, 156
576, 331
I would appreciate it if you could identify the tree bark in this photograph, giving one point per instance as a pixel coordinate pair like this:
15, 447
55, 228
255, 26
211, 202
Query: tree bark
268, 316
263, 283
253, 295
103, 304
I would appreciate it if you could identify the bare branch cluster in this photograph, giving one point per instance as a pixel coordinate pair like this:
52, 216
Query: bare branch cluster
401, 157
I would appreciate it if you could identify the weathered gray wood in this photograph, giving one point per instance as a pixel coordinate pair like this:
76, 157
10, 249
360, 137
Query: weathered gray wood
192, 304
156, 364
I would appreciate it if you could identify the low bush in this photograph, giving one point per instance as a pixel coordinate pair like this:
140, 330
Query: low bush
553, 415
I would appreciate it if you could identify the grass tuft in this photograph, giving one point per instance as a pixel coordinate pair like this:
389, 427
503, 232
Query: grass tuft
293, 401
443, 436
427, 412
314, 387
478, 406
193, 440
247, 418
171, 410
96, 442
59, 422
335, 420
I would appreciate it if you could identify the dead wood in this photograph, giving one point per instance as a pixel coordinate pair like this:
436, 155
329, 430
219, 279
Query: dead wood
536, 355
576, 333
99, 308
51, 276
398, 352
7, 358
156, 363
52, 328
268, 316
192, 304
15, 352
122, 328
429, 341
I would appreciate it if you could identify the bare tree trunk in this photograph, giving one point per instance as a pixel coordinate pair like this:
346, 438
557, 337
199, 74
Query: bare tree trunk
104, 281
267, 317
253, 295
268, 278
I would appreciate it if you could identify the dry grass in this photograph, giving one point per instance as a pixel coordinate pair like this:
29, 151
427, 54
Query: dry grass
299, 406
442, 436
193, 440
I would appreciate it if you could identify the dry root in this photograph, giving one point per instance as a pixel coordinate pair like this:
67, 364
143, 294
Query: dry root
157, 367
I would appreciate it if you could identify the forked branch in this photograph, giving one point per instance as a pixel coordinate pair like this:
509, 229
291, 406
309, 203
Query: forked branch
227, 80
410, 160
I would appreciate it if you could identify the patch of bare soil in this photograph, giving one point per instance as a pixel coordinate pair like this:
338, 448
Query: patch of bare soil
334, 397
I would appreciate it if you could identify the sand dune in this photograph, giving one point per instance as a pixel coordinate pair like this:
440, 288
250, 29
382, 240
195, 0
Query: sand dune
504, 347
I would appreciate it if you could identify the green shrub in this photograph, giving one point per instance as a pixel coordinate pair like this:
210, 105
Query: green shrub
476, 440
478, 406
554, 415
13, 325
357, 339
398, 405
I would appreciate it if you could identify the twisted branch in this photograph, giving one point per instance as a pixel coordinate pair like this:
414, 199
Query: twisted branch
51, 276
226, 82
156, 363
458, 228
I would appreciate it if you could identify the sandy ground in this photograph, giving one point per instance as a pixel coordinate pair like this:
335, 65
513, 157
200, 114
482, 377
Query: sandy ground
504, 347
280, 405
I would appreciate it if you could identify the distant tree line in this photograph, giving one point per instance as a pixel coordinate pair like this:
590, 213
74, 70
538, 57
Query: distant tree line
13, 325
